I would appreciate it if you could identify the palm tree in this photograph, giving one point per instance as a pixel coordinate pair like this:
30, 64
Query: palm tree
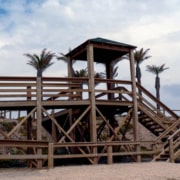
157, 70
41, 62
81, 72
139, 57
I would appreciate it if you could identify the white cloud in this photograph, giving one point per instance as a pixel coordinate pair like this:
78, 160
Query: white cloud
29, 26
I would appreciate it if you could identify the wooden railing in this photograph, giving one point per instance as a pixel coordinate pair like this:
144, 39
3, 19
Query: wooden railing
25, 88
49, 149
151, 101
174, 146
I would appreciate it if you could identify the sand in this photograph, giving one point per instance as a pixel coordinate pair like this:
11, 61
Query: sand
122, 171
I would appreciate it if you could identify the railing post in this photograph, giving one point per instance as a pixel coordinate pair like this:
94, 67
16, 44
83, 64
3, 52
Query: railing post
50, 155
138, 150
171, 150
109, 151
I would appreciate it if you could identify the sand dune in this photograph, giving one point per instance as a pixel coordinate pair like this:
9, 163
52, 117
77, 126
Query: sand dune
128, 171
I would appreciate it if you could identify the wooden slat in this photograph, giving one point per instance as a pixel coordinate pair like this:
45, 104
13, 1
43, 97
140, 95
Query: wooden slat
15, 95
17, 84
17, 90
28, 156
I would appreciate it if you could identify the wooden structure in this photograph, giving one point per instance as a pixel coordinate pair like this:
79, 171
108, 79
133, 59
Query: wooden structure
68, 118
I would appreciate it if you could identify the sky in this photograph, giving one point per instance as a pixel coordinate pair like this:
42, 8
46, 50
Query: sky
28, 26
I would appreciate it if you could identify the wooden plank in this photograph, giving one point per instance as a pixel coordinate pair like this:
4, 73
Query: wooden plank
65, 90
17, 90
18, 104
61, 84
113, 91
110, 154
50, 155
29, 156
10, 84
15, 95
66, 103
17, 78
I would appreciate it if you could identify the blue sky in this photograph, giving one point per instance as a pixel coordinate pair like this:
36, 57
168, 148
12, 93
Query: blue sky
28, 26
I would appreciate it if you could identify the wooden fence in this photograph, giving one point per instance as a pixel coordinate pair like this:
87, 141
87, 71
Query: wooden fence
49, 149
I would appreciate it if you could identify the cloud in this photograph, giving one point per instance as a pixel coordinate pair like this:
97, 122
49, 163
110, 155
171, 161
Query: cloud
28, 26
170, 94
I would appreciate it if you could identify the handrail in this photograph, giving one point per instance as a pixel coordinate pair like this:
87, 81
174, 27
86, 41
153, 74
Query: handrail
174, 134
156, 100
173, 145
175, 124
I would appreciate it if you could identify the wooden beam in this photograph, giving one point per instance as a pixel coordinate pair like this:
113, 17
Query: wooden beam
92, 119
135, 105
75, 123
39, 118
21, 122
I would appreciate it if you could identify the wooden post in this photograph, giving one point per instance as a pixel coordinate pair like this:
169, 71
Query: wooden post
29, 126
109, 151
29, 120
50, 155
93, 133
171, 150
70, 74
54, 132
39, 118
135, 107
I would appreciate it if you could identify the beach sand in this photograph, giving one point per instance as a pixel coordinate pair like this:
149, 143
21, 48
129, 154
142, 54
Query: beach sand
122, 171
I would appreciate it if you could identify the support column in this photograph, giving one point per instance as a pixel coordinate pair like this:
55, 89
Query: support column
70, 74
29, 120
135, 107
93, 132
39, 118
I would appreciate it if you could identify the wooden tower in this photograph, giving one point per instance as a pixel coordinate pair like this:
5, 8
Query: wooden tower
69, 117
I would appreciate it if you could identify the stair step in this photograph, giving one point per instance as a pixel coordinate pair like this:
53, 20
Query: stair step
158, 130
164, 156
146, 120
150, 123
161, 159
142, 116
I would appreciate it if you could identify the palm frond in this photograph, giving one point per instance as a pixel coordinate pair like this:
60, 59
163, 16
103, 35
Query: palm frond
115, 72
62, 57
156, 69
141, 55
40, 62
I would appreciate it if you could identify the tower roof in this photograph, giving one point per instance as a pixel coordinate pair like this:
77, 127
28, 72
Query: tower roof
104, 50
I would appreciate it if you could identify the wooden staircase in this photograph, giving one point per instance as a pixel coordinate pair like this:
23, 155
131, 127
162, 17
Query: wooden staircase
163, 123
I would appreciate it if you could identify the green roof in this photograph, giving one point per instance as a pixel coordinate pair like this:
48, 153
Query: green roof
107, 41
104, 50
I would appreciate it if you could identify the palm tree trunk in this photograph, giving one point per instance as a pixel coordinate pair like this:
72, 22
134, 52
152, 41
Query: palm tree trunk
138, 76
39, 73
157, 86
